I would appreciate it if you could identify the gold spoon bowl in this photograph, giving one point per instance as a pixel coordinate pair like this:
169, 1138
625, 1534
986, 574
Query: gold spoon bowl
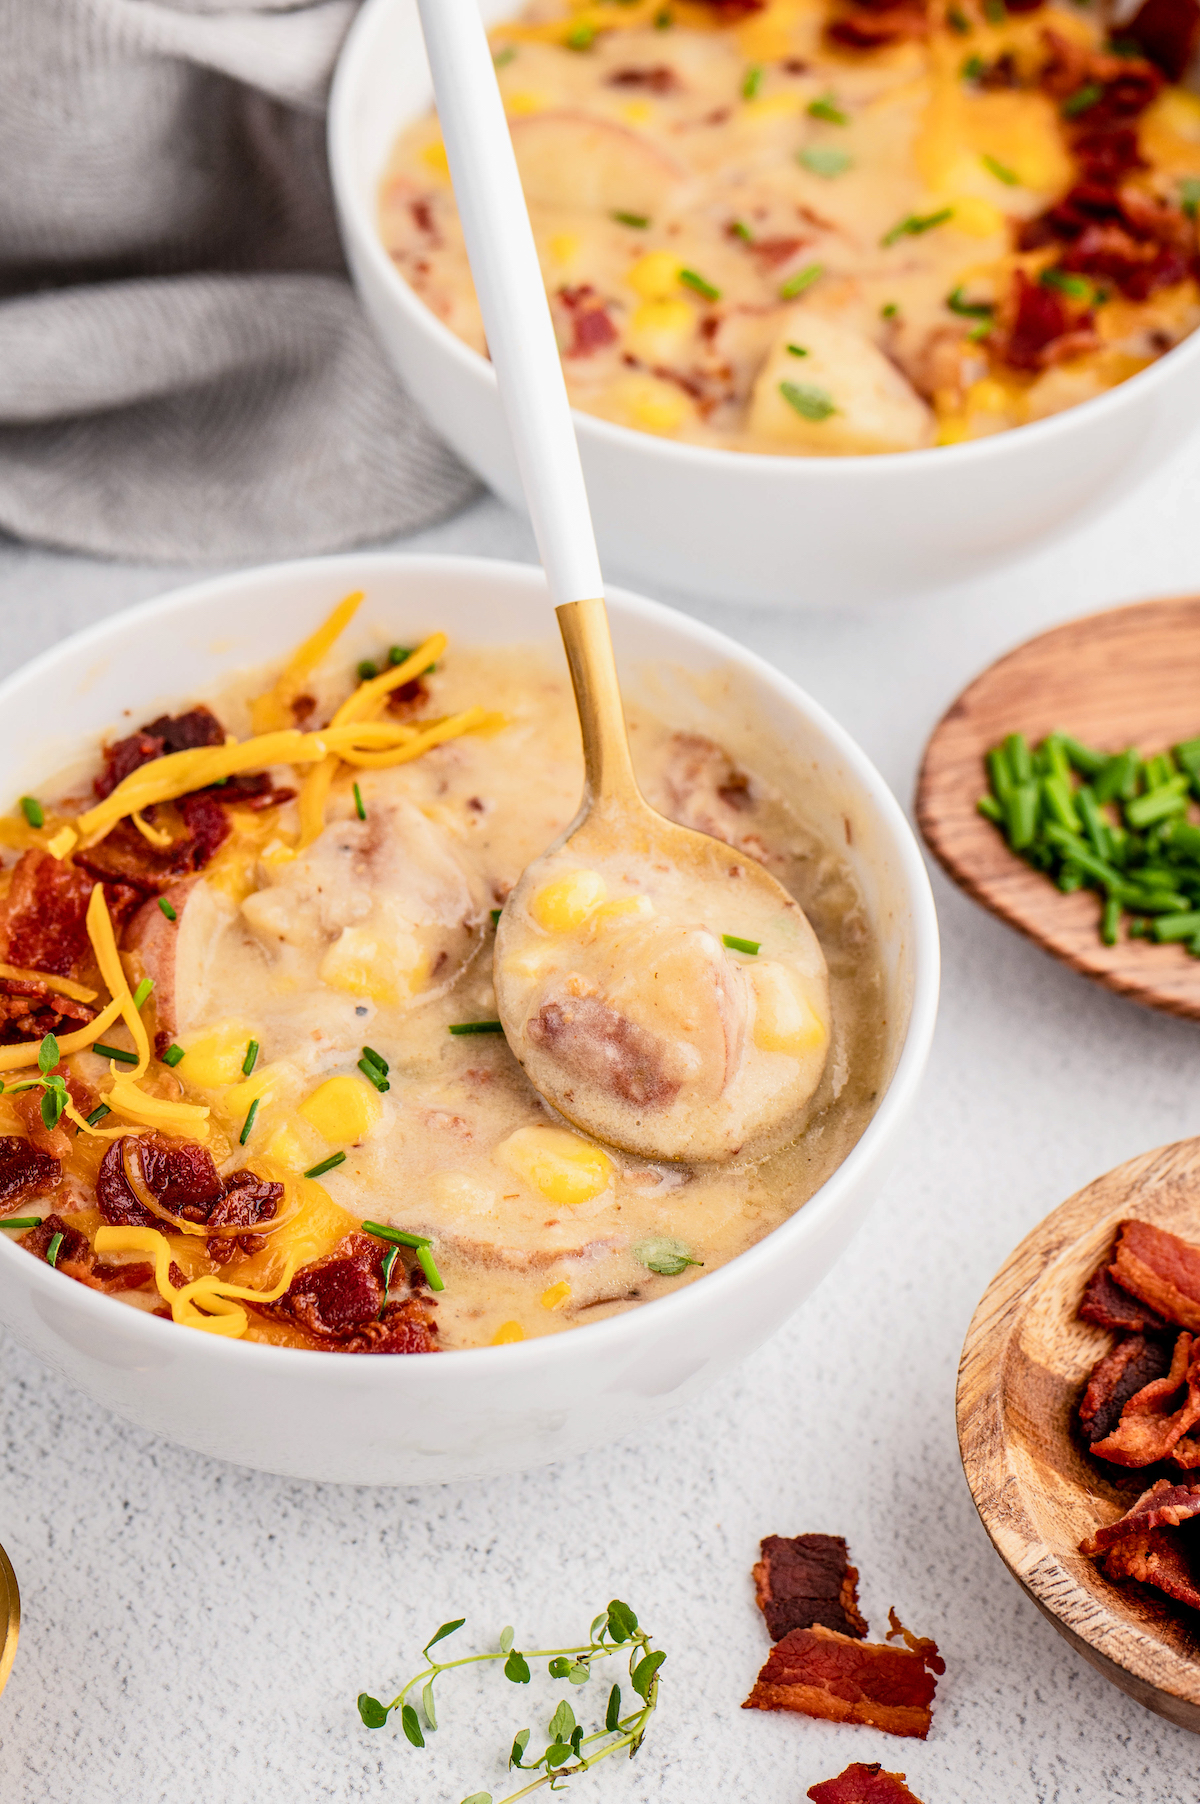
10, 1617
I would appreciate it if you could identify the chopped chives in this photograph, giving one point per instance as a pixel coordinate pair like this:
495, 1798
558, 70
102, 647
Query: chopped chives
973, 68
889, 310
318, 1171
1082, 100
167, 909
377, 1059
477, 1027
735, 945
172, 1055
385, 1274
1177, 926
496, 913
251, 1112
398, 1236
1189, 195
638, 221
993, 11
425, 1261
1110, 920
1001, 171
797, 351
691, 279
23, 1221
365, 670
582, 37
1078, 287
804, 278
752, 81
810, 402
957, 303
359, 810
114, 1052
398, 653
142, 992
826, 107
33, 811
504, 57
741, 230
915, 224
958, 21
374, 1075
251, 1058
98, 1113
52, 1250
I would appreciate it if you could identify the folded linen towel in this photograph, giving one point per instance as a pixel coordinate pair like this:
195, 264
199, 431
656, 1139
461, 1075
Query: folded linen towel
185, 374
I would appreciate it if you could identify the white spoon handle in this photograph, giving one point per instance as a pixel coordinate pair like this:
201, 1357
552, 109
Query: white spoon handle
508, 281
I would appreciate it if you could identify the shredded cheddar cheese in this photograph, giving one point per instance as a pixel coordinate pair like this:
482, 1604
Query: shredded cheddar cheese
104, 945
274, 709
209, 1302
62, 986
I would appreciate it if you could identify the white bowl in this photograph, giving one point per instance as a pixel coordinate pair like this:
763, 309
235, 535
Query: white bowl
813, 531
428, 1418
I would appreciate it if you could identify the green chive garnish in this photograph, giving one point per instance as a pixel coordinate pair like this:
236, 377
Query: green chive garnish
251, 1112
915, 224
398, 653
33, 811
824, 159
318, 1171
581, 38
752, 81
142, 992
477, 1027
98, 1113
359, 810
1189, 195
958, 21
639, 221
425, 1261
251, 1058
397, 1236
374, 1075
23, 1221
385, 1275
741, 230
809, 402
114, 1052
1082, 99
172, 1055
1001, 171
889, 310
993, 11
167, 909
377, 1059
366, 670
826, 107
496, 913
698, 285
1077, 287
53, 1249
797, 351
735, 945
958, 303
804, 278
504, 57
973, 69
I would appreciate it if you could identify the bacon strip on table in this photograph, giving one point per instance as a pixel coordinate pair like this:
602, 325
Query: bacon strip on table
817, 1672
1159, 1415
861, 1784
806, 1580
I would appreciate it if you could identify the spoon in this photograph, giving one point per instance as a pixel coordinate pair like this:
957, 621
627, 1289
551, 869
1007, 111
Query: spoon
1127, 677
615, 823
10, 1617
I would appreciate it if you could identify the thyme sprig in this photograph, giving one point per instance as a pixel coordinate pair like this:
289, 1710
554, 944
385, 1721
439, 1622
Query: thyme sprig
53, 1088
615, 1630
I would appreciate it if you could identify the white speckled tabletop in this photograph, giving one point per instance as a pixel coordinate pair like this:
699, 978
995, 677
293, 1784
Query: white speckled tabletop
193, 1631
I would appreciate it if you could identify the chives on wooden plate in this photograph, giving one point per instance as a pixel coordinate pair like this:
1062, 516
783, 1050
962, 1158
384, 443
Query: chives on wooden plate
1113, 822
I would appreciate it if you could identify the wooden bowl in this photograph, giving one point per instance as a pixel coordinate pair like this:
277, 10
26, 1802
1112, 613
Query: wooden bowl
1038, 1493
10, 1617
1127, 677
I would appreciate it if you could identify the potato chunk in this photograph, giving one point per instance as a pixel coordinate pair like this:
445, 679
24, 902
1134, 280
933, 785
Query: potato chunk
569, 160
841, 397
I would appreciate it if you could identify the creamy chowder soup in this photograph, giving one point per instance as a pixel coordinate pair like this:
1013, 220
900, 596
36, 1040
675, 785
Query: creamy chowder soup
274, 1102
825, 227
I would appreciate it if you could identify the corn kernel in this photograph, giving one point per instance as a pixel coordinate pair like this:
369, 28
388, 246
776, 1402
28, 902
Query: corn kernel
294, 1145
566, 902
772, 106
659, 330
342, 1109
524, 102
508, 1332
652, 404
556, 1296
655, 276
783, 1020
217, 1056
265, 1085
637, 112
387, 967
434, 157
977, 218
988, 396
564, 246
566, 1169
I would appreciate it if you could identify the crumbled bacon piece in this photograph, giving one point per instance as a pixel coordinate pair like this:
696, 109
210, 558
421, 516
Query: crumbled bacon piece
1161, 1269
591, 327
819, 1673
589, 1037
1126, 85
181, 733
44, 916
1040, 330
868, 27
178, 1174
730, 12
1109, 1305
74, 1250
806, 1580
124, 857
252, 789
1104, 156
1159, 1558
24, 1171
409, 698
29, 1011
1167, 32
339, 1301
661, 79
1164, 1505
861, 1784
1133, 1363
248, 1201
1157, 1416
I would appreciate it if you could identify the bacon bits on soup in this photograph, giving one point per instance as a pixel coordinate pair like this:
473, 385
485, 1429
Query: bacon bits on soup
828, 227
254, 1081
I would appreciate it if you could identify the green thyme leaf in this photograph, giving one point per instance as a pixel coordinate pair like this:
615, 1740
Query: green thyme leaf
622, 1623
373, 1713
516, 1668
664, 1255
824, 159
410, 1725
48, 1054
506, 1639
447, 1628
612, 1715
810, 402
520, 1743
53, 1104
562, 1722
643, 1673
559, 1667
558, 1753
427, 1705
580, 1673
479, 1797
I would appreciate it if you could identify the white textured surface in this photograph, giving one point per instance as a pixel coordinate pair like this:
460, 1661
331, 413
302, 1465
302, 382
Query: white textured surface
194, 1631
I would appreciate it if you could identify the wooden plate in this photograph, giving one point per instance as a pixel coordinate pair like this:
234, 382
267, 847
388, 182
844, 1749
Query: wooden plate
1023, 1368
1128, 677
10, 1617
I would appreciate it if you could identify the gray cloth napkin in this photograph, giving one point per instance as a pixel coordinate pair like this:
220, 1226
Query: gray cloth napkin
185, 374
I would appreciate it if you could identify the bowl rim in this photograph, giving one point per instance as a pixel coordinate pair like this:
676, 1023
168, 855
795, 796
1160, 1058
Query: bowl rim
359, 221
357, 567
